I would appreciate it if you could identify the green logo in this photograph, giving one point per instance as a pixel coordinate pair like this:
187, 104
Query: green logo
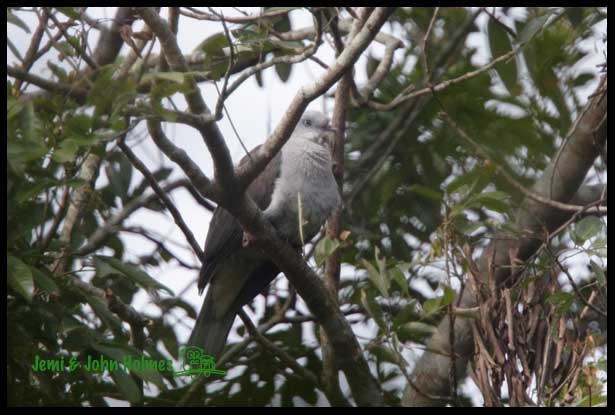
196, 362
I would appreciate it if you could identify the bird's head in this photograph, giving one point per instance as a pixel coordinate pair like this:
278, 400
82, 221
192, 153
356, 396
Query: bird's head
314, 126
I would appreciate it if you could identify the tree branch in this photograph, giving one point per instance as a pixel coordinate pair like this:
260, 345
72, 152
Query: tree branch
223, 165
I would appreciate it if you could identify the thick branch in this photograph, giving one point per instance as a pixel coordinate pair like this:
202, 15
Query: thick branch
110, 42
223, 164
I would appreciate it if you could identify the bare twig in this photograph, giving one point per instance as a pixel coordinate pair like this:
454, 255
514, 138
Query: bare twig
215, 17
426, 70
30, 56
598, 311
163, 196
80, 49
55, 87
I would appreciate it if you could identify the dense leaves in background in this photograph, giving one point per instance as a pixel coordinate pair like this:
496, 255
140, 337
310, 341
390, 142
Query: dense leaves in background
412, 186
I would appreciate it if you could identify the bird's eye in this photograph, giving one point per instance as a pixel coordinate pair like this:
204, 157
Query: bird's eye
307, 123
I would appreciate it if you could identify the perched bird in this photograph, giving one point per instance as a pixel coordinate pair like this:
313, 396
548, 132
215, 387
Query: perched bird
299, 175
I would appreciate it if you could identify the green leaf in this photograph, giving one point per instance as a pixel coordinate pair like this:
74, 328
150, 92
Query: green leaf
151, 376
371, 306
500, 44
118, 352
384, 353
597, 269
326, 246
371, 65
102, 311
164, 89
397, 275
533, 27
127, 386
259, 78
382, 265
214, 44
575, 15
13, 48
130, 271
587, 228
20, 277
65, 48
415, 331
448, 297
379, 280
466, 227
466, 313
66, 152
561, 301
13, 19
107, 103
426, 192
43, 281
406, 314
464, 180
58, 71
582, 79
283, 70
491, 200
497, 195
69, 12
177, 77
169, 339
432, 305
29, 190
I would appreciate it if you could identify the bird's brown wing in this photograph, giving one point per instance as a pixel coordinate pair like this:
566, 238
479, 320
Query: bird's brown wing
225, 233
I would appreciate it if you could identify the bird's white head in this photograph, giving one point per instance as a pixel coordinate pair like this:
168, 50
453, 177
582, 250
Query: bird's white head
314, 126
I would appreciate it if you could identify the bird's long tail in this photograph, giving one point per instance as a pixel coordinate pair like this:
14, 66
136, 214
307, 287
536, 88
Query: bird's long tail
210, 333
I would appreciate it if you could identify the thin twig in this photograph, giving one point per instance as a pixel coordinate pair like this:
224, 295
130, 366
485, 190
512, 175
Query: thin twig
598, 311
163, 196
426, 71
200, 15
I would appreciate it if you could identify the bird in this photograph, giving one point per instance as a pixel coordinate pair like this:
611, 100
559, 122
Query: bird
297, 183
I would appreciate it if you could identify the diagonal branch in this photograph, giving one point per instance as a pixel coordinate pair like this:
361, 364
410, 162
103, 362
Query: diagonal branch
214, 140
306, 94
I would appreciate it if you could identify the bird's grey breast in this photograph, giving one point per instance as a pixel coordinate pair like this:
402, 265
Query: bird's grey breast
306, 175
